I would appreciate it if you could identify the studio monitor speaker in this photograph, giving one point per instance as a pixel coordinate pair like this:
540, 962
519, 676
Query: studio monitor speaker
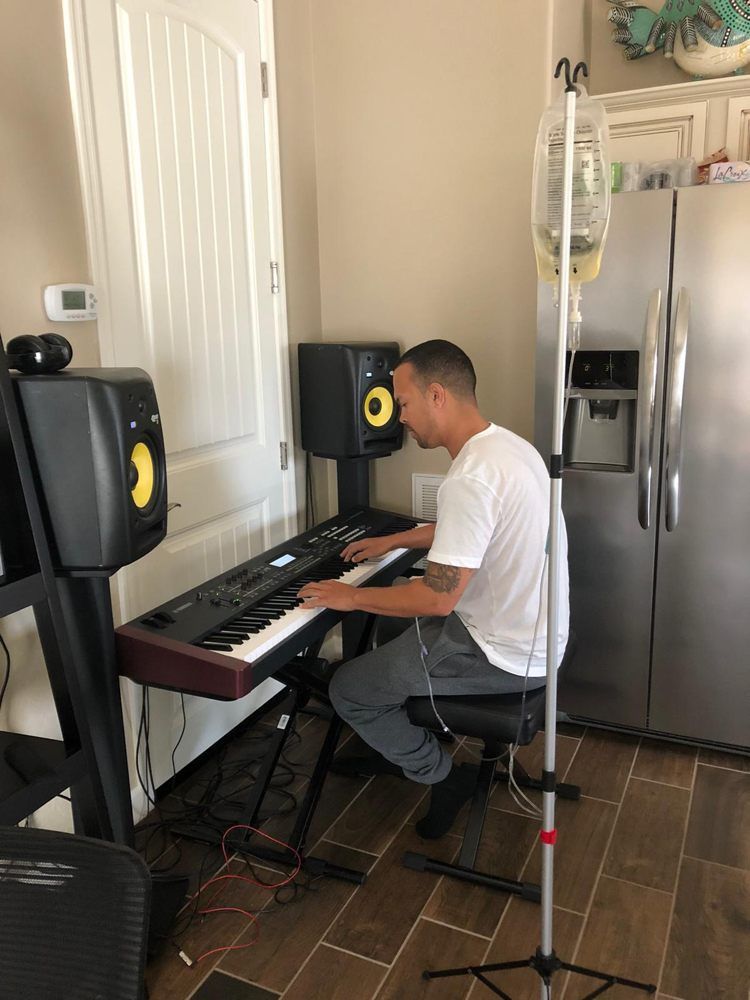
346, 399
98, 455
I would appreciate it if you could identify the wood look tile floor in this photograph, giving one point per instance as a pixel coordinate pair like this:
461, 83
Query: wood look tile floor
652, 877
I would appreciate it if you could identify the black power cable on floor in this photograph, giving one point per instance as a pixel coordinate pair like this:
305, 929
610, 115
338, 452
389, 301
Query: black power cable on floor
219, 789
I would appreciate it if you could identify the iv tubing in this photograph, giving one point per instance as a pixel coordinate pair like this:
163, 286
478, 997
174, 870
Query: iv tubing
574, 328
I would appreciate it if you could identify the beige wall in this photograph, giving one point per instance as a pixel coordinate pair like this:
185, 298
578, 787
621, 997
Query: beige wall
426, 114
571, 31
42, 241
42, 238
296, 104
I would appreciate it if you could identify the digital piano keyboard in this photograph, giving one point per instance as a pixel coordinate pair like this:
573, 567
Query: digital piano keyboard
222, 638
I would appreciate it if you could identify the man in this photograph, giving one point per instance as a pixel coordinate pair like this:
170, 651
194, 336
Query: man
481, 602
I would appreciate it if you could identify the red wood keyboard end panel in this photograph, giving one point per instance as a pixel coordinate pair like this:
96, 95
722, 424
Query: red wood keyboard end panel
162, 662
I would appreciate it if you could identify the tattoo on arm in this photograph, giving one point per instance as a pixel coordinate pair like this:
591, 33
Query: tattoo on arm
442, 579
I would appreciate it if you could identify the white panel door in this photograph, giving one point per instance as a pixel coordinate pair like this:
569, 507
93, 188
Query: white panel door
170, 121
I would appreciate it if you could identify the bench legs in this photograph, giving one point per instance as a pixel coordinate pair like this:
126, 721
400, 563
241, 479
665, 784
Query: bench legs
464, 869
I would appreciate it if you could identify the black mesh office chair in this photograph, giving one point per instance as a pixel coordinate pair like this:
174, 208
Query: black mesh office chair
73, 918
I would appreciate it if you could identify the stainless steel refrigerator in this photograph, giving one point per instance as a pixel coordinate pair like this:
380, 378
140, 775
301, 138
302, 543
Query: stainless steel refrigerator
656, 488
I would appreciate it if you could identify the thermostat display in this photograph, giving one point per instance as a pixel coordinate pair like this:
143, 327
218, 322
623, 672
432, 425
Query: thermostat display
70, 303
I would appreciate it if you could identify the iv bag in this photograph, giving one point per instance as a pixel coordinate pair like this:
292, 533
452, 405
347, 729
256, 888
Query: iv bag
591, 189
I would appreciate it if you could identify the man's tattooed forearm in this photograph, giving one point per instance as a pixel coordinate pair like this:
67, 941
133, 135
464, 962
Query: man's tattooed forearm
442, 579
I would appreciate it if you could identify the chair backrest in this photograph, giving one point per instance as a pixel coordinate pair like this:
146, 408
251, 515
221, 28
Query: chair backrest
73, 917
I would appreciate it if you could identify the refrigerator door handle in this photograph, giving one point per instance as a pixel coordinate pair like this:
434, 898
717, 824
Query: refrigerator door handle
648, 409
674, 408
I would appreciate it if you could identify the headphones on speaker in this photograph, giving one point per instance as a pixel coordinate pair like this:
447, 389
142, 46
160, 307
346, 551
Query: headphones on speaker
39, 355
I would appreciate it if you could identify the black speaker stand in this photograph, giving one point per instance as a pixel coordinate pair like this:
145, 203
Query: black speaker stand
545, 967
353, 478
87, 610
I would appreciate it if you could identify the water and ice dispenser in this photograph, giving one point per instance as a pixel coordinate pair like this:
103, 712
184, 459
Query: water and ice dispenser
600, 423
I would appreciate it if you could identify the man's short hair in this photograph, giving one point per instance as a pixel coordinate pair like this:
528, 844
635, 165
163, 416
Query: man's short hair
443, 362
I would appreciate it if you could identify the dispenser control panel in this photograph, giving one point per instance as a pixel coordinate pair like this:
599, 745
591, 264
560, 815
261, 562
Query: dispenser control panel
605, 369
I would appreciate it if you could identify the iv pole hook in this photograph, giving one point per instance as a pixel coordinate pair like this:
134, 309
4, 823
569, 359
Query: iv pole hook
565, 62
570, 83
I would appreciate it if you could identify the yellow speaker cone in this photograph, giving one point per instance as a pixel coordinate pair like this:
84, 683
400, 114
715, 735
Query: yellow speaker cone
378, 406
142, 475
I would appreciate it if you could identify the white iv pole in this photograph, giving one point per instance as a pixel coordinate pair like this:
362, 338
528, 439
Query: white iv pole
545, 962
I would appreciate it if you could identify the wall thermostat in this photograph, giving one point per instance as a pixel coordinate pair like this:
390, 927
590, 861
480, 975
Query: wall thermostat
69, 303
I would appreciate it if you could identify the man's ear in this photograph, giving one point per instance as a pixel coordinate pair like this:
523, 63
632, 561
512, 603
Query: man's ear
436, 394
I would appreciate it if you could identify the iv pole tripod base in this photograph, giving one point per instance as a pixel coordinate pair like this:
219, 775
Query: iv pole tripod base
545, 967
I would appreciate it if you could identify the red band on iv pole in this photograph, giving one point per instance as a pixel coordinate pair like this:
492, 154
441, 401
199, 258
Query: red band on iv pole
548, 836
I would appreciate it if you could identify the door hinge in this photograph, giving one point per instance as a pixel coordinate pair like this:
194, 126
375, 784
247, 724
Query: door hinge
264, 79
284, 455
274, 278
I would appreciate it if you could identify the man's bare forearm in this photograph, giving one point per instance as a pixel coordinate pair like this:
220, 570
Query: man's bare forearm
409, 601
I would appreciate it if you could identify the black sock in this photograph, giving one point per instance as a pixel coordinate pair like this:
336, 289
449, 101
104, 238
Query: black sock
446, 799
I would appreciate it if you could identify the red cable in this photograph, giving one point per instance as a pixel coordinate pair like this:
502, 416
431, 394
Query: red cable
243, 878
230, 947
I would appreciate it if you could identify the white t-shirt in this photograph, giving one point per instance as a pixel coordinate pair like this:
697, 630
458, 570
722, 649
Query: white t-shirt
493, 517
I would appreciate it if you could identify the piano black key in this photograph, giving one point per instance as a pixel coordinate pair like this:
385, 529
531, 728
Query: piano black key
220, 637
235, 632
218, 647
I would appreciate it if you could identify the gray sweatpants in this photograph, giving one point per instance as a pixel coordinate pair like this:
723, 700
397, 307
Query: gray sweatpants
369, 692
